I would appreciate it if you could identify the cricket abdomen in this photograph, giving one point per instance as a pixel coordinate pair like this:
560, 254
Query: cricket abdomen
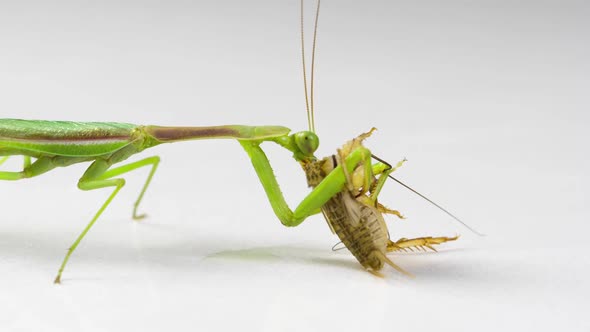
359, 227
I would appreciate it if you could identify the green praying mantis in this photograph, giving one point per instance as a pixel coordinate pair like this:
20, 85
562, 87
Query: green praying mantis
345, 186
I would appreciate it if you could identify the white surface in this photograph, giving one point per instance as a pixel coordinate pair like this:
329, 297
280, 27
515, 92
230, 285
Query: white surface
488, 101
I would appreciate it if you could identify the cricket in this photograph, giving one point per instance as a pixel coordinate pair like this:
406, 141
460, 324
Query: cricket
345, 186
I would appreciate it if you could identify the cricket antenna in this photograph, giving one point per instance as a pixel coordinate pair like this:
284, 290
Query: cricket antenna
438, 206
309, 95
426, 198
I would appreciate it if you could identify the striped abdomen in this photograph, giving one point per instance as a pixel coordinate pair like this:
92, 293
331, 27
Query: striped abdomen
360, 227
64, 138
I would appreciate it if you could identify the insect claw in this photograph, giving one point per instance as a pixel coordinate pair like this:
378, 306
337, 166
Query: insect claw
57, 280
139, 217
375, 273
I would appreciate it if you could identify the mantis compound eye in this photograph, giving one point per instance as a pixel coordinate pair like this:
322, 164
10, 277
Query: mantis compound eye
307, 142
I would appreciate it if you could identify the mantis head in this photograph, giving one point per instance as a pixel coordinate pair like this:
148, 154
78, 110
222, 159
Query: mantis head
307, 142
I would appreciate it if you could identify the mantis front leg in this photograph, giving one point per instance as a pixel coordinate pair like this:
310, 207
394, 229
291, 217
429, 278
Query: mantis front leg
332, 184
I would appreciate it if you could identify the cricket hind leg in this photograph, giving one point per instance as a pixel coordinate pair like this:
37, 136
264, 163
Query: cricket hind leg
420, 243
99, 176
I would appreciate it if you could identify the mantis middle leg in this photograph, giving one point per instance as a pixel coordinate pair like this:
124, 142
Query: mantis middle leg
99, 176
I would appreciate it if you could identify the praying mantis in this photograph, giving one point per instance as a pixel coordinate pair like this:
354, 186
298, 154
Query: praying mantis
345, 186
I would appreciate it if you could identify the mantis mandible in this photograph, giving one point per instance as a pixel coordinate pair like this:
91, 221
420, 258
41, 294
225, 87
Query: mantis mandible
345, 186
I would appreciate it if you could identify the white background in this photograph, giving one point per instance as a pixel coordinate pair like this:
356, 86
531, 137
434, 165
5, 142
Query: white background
488, 101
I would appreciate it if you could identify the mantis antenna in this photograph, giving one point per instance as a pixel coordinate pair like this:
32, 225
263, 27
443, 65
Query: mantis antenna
309, 95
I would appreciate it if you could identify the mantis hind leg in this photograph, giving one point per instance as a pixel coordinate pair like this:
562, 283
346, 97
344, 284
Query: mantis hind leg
99, 176
40, 166
26, 161
421, 243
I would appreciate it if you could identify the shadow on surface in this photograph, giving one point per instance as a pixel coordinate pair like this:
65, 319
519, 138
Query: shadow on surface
179, 249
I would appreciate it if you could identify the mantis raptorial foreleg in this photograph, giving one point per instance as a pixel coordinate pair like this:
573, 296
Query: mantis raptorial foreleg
384, 174
340, 157
99, 176
332, 184
382, 170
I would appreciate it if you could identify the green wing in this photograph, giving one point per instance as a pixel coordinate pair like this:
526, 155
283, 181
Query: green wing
63, 138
